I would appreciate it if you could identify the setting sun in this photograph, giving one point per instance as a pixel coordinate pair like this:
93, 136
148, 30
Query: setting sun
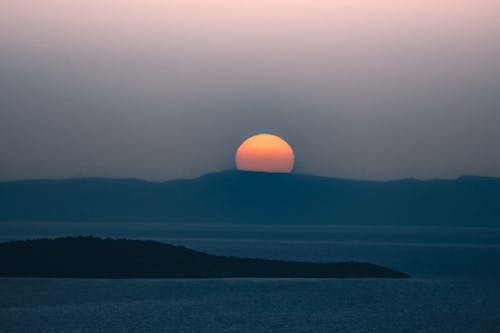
265, 152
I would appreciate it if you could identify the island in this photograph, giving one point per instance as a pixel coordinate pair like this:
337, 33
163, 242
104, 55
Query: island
92, 257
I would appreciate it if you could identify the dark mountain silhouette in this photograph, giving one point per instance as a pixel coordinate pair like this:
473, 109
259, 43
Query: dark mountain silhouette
89, 257
252, 197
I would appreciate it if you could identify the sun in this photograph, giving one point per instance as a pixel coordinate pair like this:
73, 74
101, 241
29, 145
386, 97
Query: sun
265, 152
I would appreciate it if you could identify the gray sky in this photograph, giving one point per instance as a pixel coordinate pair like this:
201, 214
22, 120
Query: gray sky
165, 89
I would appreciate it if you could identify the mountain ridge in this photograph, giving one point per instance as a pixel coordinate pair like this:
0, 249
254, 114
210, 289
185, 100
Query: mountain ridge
255, 197
231, 171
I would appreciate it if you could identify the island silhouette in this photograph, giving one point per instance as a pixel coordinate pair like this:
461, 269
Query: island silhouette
256, 197
91, 257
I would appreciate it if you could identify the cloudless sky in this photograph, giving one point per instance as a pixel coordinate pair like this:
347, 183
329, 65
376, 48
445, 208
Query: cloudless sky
368, 89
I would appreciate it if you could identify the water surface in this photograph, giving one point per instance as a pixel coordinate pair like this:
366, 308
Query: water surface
455, 285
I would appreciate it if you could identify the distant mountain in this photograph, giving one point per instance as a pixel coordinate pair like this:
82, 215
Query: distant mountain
253, 197
89, 257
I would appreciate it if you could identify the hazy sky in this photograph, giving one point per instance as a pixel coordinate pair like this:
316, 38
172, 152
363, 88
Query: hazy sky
369, 89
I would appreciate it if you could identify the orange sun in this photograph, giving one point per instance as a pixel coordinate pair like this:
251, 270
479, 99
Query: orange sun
265, 152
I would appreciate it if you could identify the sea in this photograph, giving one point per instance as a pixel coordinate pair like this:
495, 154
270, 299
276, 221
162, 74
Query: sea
455, 283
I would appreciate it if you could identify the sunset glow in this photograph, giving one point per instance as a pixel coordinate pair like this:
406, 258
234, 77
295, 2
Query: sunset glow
265, 152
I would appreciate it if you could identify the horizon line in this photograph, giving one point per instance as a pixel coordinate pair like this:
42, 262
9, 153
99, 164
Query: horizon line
284, 174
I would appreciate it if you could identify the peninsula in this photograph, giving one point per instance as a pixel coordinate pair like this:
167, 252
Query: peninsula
91, 257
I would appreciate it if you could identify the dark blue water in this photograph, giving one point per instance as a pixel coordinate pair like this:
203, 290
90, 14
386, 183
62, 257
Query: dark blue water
455, 285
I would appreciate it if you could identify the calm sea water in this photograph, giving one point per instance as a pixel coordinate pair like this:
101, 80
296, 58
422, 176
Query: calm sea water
455, 285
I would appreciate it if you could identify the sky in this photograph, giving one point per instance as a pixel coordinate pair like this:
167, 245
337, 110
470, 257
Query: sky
157, 90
